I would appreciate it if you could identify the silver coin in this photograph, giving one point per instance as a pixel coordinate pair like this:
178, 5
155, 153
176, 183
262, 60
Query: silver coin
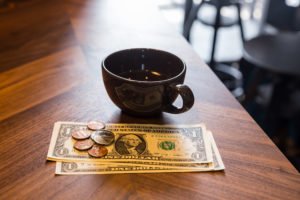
103, 137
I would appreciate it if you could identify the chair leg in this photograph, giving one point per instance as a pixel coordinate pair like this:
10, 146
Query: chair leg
190, 20
216, 27
238, 6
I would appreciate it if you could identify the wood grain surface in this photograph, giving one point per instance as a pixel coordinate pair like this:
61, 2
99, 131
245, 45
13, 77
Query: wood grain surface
50, 55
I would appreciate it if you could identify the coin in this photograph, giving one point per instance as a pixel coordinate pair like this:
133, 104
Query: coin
103, 137
84, 144
81, 134
98, 151
96, 125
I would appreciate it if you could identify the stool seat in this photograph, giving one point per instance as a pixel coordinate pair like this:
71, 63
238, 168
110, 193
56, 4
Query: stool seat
225, 21
276, 53
221, 2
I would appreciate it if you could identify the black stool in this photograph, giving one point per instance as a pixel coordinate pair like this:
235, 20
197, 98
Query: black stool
274, 60
230, 76
218, 22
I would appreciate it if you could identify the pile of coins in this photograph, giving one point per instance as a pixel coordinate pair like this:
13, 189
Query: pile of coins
94, 139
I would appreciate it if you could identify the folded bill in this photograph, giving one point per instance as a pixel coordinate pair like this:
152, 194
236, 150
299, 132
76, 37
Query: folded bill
137, 143
77, 168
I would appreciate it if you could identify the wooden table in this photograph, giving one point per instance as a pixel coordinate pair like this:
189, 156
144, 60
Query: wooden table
50, 54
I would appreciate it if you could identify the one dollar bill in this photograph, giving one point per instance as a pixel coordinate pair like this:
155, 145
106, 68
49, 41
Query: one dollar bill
157, 143
78, 168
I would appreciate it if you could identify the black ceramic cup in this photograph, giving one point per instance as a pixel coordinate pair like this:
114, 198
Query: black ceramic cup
146, 82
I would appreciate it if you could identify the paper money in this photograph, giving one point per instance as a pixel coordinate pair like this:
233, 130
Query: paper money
137, 142
217, 160
217, 163
73, 168
77, 168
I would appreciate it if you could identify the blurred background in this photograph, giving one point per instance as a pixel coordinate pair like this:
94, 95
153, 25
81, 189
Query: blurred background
253, 46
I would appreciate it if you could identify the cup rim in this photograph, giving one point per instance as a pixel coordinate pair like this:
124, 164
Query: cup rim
144, 82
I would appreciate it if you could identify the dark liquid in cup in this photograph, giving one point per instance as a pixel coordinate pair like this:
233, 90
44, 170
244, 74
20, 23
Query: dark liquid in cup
144, 75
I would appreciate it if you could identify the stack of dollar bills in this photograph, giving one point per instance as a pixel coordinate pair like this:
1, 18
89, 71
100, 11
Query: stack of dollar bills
138, 148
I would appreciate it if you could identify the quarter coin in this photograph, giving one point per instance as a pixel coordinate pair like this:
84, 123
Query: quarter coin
84, 144
103, 137
81, 134
95, 125
98, 151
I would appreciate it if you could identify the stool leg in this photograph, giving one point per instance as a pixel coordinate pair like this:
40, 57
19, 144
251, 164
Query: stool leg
187, 9
256, 76
216, 27
238, 6
190, 20
274, 116
253, 4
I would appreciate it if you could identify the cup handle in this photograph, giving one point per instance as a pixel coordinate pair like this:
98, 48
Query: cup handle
187, 99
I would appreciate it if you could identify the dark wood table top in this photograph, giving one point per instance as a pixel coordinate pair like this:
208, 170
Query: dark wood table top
276, 53
50, 54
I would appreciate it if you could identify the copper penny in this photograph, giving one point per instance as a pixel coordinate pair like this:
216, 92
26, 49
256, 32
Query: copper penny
81, 134
103, 137
98, 151
96, 125
84, 144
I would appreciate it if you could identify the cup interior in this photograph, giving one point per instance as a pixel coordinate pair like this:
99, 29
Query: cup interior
144, 64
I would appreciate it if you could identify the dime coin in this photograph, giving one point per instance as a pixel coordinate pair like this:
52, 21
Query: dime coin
98, 151
81, 134
84, 144
103, 137
96, 125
